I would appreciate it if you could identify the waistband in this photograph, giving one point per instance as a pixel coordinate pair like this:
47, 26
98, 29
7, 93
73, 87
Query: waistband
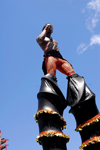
53, 53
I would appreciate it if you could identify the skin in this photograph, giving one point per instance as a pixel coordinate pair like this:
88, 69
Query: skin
53, 63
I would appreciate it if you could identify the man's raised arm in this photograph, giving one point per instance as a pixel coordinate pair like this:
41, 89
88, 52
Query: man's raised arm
41, 37
47, 28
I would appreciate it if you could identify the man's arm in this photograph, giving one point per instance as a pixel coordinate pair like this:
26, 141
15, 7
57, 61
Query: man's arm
41, 38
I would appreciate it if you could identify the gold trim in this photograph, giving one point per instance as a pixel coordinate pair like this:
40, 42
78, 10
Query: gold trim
49, 112
88, 123
51, 134
91, 141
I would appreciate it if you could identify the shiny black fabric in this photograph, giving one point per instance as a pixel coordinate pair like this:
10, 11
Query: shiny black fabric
77, 90
53, 53
50, 95
51, 98
44, 67
84, 110
53, 143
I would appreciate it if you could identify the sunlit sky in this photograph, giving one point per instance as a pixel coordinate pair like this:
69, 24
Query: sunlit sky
76, 26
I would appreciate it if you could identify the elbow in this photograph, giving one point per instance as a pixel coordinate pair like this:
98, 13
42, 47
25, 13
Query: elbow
39, 41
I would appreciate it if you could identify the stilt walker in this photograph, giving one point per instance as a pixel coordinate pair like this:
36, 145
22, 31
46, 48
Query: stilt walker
52, 103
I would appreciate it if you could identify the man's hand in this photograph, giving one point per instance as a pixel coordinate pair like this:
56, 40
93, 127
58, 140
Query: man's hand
49, 28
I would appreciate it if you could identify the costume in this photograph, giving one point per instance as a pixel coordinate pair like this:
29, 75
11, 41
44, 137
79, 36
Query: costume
51, 53
77, 90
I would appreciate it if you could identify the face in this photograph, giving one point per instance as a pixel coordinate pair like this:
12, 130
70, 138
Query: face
51, 27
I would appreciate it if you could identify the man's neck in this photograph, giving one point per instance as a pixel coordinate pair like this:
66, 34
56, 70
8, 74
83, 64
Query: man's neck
48, 35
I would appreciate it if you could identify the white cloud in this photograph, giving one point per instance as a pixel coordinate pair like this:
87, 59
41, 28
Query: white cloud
94, 4
95, 39
93, 17
94, 20
91, 22
81, 48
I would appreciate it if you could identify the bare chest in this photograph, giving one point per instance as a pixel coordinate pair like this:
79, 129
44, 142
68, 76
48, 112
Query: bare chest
51, 45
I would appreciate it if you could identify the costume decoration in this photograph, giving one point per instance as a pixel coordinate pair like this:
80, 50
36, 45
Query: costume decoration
50, 112
94, 140
52, 134
88, 122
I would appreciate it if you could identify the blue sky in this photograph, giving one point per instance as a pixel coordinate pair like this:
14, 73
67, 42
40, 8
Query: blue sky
77, 30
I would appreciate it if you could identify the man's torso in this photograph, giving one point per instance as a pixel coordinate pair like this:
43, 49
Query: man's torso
49, 44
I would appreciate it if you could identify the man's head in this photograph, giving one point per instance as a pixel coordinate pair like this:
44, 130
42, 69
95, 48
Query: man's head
49, 26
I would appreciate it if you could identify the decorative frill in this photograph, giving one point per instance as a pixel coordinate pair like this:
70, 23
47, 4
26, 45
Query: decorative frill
88, 123
49, 112
51, 134
94, 140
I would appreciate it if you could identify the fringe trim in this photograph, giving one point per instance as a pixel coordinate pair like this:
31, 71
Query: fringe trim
49, 112
90, 141
88, 123
51, 134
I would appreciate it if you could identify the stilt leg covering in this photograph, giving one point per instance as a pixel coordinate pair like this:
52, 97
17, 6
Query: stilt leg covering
87, 119
51, 104
50, 96
77, 90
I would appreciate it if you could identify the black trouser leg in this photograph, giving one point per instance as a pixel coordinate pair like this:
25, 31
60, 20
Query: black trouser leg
77, 90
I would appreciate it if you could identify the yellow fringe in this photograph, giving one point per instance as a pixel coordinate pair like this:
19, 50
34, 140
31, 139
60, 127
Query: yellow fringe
87, 124
51, 135
49, 112
93, 141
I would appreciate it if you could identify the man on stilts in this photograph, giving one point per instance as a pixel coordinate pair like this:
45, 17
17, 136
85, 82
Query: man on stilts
53, 60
